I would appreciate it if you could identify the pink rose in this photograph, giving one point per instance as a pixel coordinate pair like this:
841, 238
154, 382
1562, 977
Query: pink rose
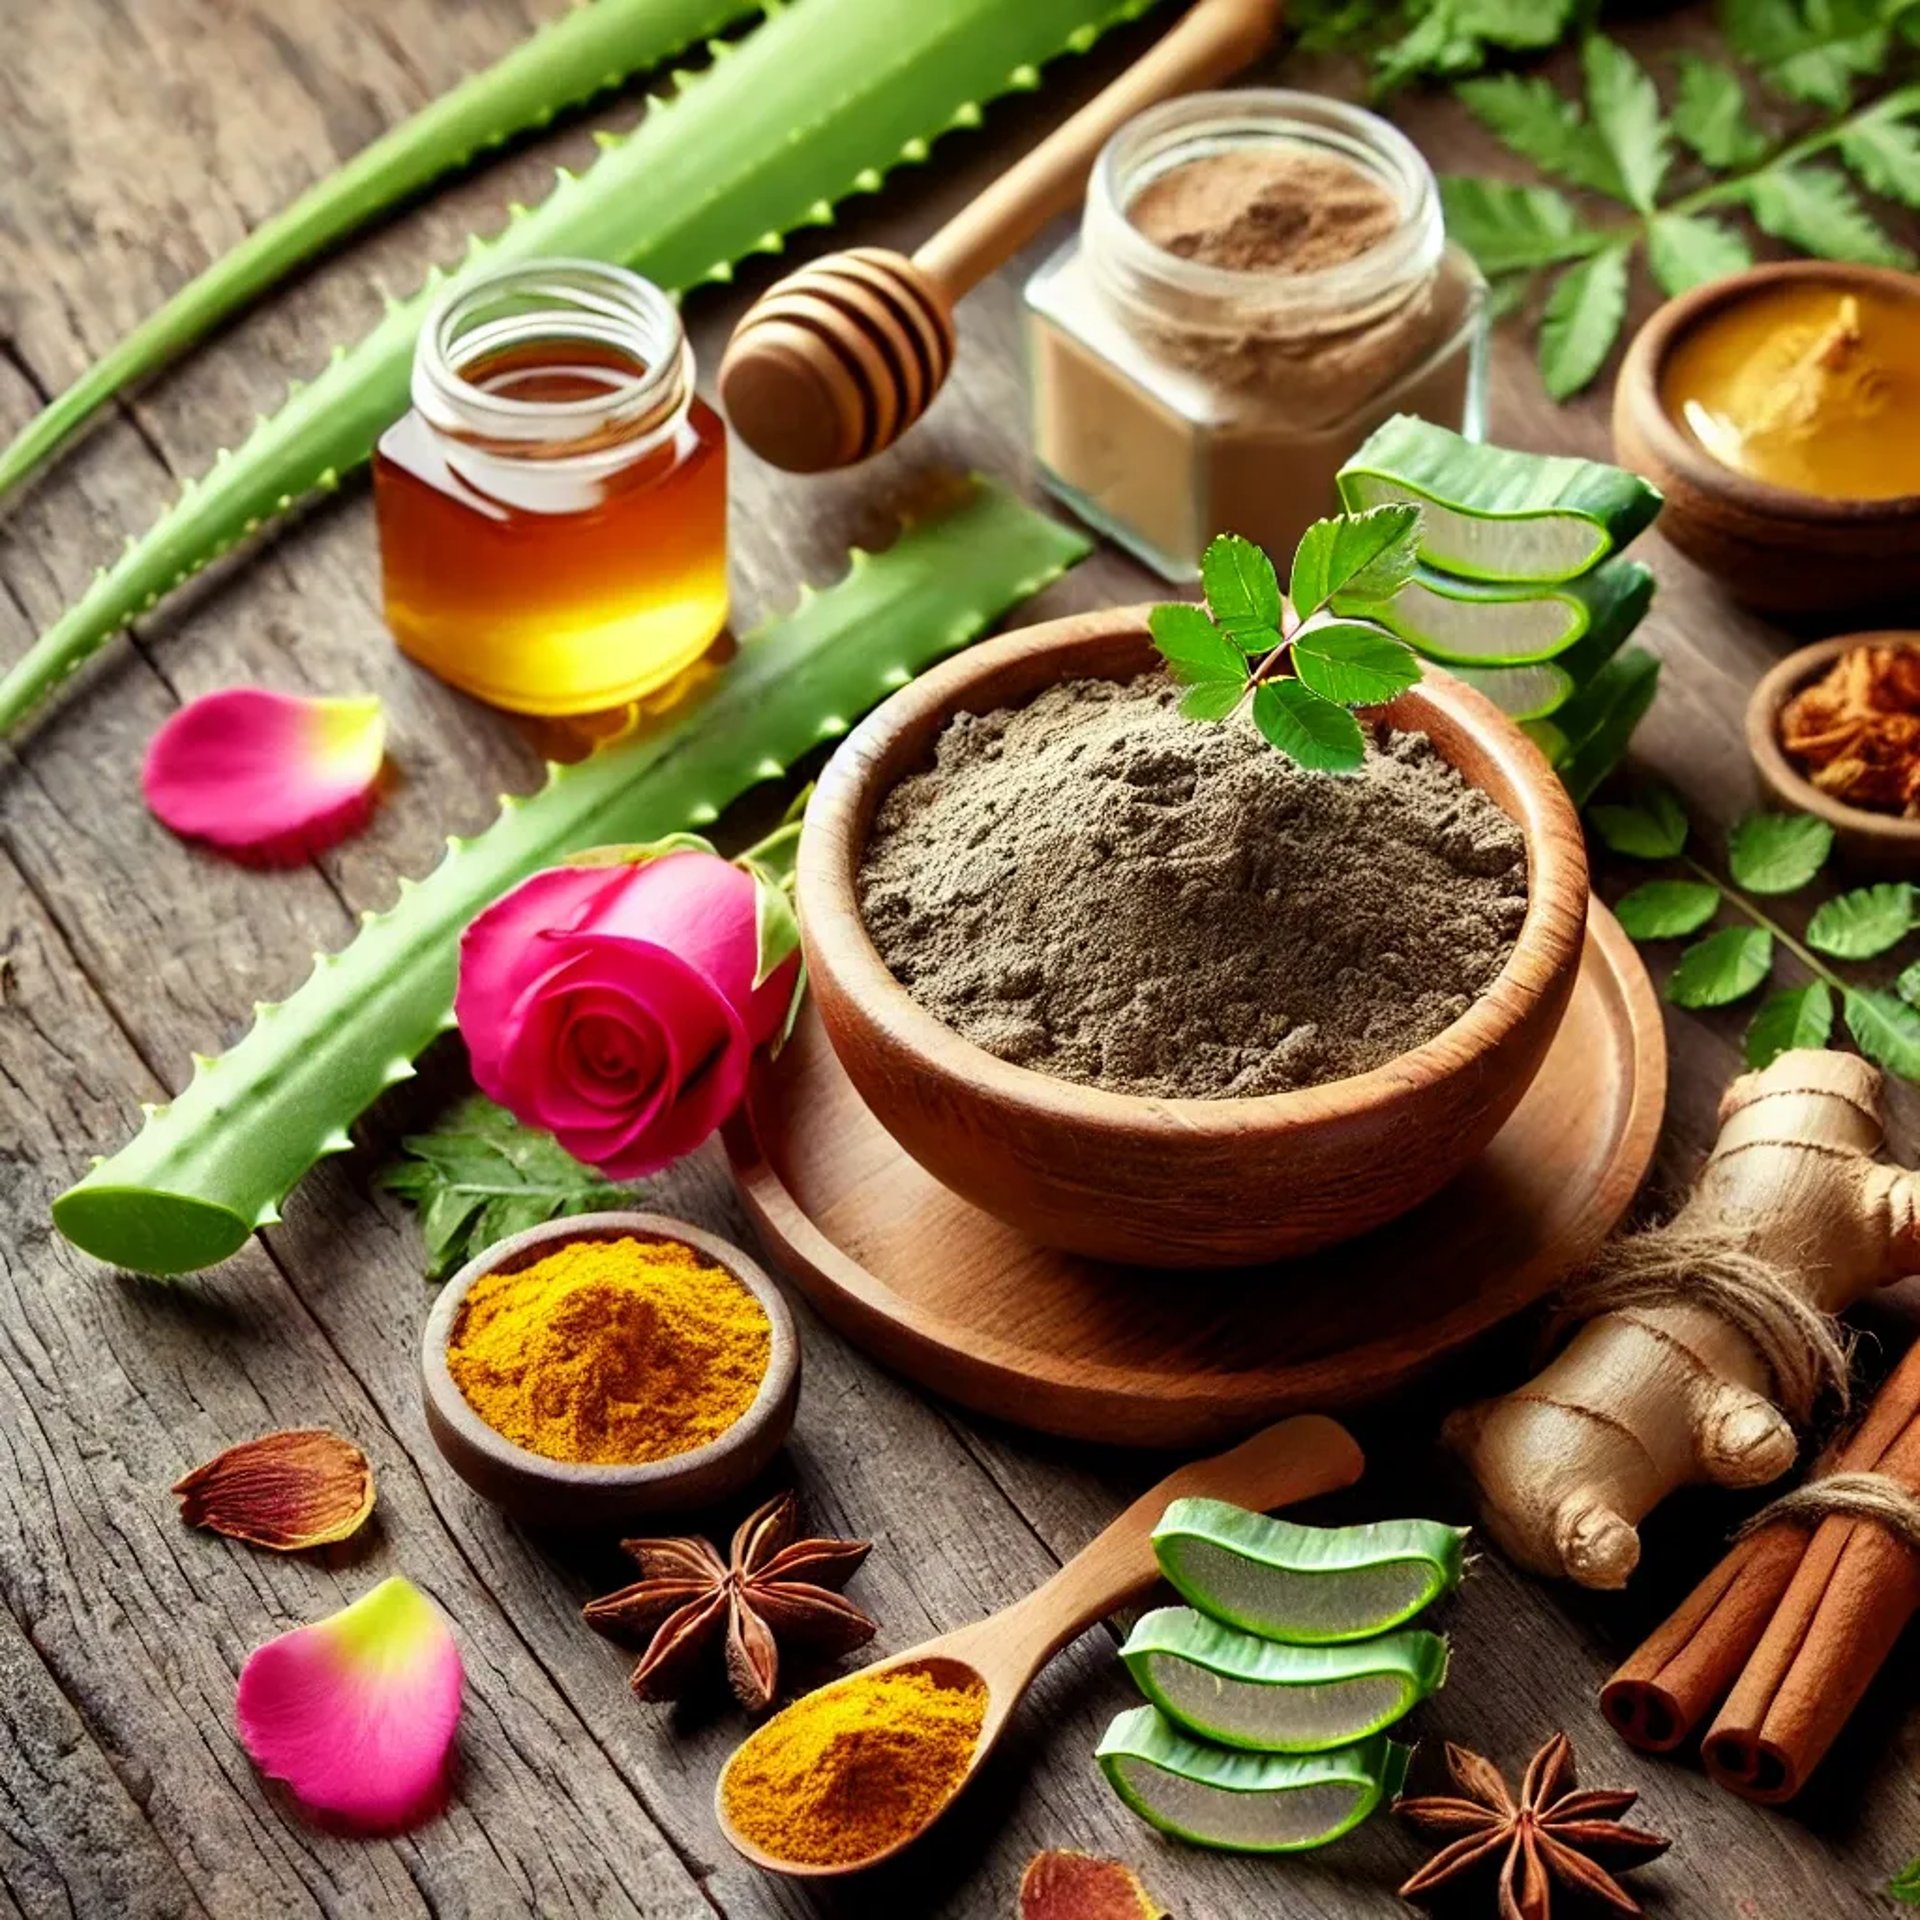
615, 1005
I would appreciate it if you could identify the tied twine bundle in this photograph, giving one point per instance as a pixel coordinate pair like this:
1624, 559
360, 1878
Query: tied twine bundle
1855, 1496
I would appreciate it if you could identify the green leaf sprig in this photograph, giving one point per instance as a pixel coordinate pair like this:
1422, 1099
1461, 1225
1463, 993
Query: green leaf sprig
1622, 145
1405, 40
1235, 651
1769, 854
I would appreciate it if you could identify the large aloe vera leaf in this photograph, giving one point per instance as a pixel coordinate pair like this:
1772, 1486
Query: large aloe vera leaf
817, 102
216, 1162
588, 49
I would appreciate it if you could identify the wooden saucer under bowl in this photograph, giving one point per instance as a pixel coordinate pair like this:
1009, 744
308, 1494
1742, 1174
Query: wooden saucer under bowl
966, 1306
565, 1494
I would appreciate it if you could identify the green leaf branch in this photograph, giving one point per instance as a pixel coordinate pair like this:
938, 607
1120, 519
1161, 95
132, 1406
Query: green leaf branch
1801, 187
1293, 658
1769, 854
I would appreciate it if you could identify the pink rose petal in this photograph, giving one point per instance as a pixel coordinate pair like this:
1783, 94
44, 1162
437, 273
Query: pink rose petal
357, 1712
266, 777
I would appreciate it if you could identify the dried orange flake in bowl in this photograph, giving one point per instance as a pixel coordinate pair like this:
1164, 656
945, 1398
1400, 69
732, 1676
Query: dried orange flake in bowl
1855, 731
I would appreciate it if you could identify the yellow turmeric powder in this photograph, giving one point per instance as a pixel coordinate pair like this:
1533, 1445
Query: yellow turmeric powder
854, 1769
611, 1352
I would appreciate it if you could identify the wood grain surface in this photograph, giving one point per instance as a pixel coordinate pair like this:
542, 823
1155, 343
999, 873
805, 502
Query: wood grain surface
137, 139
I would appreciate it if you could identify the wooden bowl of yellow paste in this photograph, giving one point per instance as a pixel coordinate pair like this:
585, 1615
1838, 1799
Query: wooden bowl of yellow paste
596, 1369
1775, 409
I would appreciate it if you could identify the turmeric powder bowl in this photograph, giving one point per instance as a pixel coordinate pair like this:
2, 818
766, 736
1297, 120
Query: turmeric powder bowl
612, 1365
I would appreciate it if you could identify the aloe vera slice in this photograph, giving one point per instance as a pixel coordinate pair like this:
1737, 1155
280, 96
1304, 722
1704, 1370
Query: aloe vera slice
1475, 623
1285, 1581
214, 1163
1522, 693
1245, 1802
1221, 1684
586, 50
1493, 514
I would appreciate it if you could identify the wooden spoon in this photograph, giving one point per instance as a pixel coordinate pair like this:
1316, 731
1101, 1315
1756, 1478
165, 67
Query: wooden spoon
1004, 1652
840, 358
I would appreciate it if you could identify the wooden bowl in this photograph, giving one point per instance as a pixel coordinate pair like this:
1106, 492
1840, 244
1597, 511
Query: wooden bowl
1773, 548
1180, 1183
1872, 842
560, 1493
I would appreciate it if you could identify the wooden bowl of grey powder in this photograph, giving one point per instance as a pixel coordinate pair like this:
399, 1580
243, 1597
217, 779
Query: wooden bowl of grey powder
1144, 989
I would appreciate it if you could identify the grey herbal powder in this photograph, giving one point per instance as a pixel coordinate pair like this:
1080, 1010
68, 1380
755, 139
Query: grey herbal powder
1097, 888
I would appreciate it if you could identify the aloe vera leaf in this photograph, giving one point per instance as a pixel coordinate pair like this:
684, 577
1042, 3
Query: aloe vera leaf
1245, 1802
1483, 624
1285, 1581
585, 51
1599, 720
215, 1163
1521, 693
818, 102
1493, 514
1218, 1683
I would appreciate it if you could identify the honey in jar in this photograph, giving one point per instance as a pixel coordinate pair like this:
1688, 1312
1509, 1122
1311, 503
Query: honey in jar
553, 511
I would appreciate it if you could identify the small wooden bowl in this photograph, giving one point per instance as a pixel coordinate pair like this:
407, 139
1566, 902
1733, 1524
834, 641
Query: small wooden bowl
1773, 548
1869, 841
560, 1493
1180, 1183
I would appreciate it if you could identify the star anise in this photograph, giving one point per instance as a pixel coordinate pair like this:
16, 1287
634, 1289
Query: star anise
1550, 1832
772, 1588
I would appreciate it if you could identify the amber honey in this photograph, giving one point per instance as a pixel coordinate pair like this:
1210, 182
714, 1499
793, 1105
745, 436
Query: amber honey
553, 510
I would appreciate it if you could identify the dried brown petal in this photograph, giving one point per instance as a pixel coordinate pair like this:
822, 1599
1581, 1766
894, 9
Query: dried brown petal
300, 1488
1076, 1886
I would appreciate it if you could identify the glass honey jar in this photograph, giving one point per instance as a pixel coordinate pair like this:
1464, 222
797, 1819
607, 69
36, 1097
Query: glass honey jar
553, 511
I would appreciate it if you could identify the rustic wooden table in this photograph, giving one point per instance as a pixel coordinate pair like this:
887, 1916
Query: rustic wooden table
138, 138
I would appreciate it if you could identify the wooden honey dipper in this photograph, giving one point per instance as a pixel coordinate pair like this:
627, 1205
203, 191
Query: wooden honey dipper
840, 358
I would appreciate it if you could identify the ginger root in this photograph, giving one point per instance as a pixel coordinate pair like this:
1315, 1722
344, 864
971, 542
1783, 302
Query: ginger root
1654, 1396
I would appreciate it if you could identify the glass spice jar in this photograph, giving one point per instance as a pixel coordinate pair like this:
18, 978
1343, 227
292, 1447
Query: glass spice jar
553, 511
1176, 397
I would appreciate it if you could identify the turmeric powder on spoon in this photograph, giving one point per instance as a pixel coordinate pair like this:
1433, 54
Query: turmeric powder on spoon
611, 1352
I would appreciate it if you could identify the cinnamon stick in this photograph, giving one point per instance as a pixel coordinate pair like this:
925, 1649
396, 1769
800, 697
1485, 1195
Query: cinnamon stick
1670, 1684
1856, 1588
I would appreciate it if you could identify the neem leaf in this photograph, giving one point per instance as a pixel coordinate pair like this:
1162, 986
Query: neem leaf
1886, 1030
1908, 985
1242, 589
1777, 852
1814, 209
1197, 653
1508, 227
1796, 1017
1667, 909
1306, 728
1354, 663
1710, 114
1905, 1885
1722, 968
1869, 920
1652, 827
1686, 249
1885, 153
1582, 320
1366, 556
1531, 115
1625, 106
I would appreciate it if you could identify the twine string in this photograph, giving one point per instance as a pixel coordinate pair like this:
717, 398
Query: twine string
1684, 1265
1859, 1496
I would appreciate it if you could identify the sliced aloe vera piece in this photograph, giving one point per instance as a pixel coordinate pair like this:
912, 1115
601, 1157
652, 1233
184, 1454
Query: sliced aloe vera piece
1285, 1581
1523, 693
1599, 720
1476, 623
1493, 514
1221, 1684
1245, 1802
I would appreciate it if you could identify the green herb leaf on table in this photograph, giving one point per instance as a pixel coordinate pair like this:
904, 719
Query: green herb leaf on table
1684, 250
1242, 589
1905, 1885
1366, 556
1534, 118
1794, 1017
1511, 228
1886, 1029
1811, 50
1653, 826
1667, 909
1908, 985
1307, 728
1722, 968
1814, 209
1711, 115
1582, 320
1626, 113
1198, 653
480, 1175
1865, 922
1777, 852
1885, 153
1353, 664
